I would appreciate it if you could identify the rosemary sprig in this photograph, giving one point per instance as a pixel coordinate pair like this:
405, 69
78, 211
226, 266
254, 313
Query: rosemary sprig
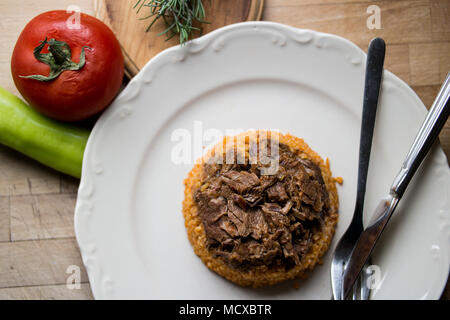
178, 15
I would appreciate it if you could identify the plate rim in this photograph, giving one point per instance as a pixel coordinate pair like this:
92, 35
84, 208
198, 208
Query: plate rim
85, 208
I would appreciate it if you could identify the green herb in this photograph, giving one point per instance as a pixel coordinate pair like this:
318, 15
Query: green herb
178, 15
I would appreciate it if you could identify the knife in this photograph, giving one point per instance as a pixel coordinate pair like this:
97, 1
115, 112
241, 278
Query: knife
428, 133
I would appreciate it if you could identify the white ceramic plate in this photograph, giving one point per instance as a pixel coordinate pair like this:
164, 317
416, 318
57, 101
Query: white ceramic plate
128, 218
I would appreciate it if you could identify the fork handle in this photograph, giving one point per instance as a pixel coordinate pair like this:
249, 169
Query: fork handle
428, 133
374, 74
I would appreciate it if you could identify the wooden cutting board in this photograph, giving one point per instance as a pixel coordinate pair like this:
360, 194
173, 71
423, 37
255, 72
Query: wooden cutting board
140, 46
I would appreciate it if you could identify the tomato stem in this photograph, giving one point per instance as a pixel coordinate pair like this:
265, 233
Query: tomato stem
59, 59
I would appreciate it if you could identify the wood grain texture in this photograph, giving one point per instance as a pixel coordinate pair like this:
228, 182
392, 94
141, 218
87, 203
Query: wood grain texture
440, 22
5, 233
42, 262
20, 175
139, 47
58, 292
42, 217
401, 21
430, 63
36, 203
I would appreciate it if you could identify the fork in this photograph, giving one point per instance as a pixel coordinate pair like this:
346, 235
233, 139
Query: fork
374, 72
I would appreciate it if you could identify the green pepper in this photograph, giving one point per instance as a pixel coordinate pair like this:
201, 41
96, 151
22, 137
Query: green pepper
55, 144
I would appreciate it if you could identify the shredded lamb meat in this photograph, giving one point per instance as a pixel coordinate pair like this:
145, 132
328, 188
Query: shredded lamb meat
252, 220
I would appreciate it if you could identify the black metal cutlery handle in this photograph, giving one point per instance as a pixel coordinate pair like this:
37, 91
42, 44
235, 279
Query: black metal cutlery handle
428, 133
374, 73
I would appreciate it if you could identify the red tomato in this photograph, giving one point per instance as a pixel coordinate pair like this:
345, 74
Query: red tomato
73, 95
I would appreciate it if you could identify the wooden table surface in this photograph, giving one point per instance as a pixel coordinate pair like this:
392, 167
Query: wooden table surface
37, 243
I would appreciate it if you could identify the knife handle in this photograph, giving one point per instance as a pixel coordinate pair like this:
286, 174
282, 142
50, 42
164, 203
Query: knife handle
428, 133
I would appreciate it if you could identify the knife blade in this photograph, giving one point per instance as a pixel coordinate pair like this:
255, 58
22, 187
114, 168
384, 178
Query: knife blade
366, 243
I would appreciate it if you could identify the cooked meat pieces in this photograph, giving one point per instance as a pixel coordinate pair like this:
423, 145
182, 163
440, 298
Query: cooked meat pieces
251, 219
277, 192
240, 181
